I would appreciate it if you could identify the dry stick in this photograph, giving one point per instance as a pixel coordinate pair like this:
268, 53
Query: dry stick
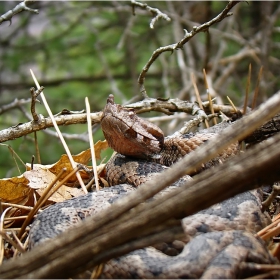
275, 192
209, 96
29, 208
247, 89
37, 148
257, 89
15, 218
59, 133
271, 230
91, 143
98, 249
198, 97
20, 130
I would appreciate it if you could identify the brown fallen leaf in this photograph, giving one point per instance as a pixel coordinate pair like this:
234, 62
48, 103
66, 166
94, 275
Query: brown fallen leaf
41, 177
82, 158
14, 189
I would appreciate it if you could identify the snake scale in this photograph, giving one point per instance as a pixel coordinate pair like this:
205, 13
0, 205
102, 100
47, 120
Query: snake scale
218, 241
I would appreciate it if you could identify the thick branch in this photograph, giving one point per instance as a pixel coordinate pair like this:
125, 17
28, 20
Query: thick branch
20, 130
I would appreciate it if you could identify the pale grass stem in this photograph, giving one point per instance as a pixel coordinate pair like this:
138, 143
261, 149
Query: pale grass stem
91, 143
73, 163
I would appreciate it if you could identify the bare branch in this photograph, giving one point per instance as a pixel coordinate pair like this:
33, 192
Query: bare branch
27, 128
18, 9
155, 12
168, 107
17, 103
188, 35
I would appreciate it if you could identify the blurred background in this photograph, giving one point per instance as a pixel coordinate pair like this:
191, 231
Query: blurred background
95, 48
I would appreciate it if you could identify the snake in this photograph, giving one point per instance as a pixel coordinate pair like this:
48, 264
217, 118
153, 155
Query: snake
218, 242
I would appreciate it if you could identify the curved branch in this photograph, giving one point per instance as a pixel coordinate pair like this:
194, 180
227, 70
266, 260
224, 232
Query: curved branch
188, 35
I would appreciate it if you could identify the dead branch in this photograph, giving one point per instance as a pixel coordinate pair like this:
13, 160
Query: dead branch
115, 231
16, 10
168, 106
155, 12
20, 130
179, 45
34, 95
17, 103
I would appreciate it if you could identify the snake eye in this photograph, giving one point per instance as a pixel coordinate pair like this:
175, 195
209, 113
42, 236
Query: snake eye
130, 133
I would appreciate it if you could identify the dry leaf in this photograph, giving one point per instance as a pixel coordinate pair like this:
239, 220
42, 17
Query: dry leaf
14, 189
40, 178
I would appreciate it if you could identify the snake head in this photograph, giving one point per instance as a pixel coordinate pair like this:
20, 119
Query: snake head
128, 134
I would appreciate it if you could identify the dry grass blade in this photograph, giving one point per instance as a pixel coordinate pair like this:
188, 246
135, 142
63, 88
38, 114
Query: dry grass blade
209, 96
254, 104
271, 230
198, 97
59, 133
29, 208
247, 89
37, 148
91, 143
14, 155
232, 104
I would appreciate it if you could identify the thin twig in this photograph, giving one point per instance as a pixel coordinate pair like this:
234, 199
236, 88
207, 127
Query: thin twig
155, 12
247, 89
275, 192
257, 89
232, 104
209, 96
34, 95
198, 97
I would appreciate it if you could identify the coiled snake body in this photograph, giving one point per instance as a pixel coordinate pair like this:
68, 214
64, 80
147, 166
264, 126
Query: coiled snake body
219, 240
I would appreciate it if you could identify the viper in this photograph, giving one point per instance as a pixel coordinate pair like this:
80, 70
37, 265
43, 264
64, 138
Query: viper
218, 241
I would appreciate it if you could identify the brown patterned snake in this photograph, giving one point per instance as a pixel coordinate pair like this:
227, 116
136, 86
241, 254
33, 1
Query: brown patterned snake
219, 239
